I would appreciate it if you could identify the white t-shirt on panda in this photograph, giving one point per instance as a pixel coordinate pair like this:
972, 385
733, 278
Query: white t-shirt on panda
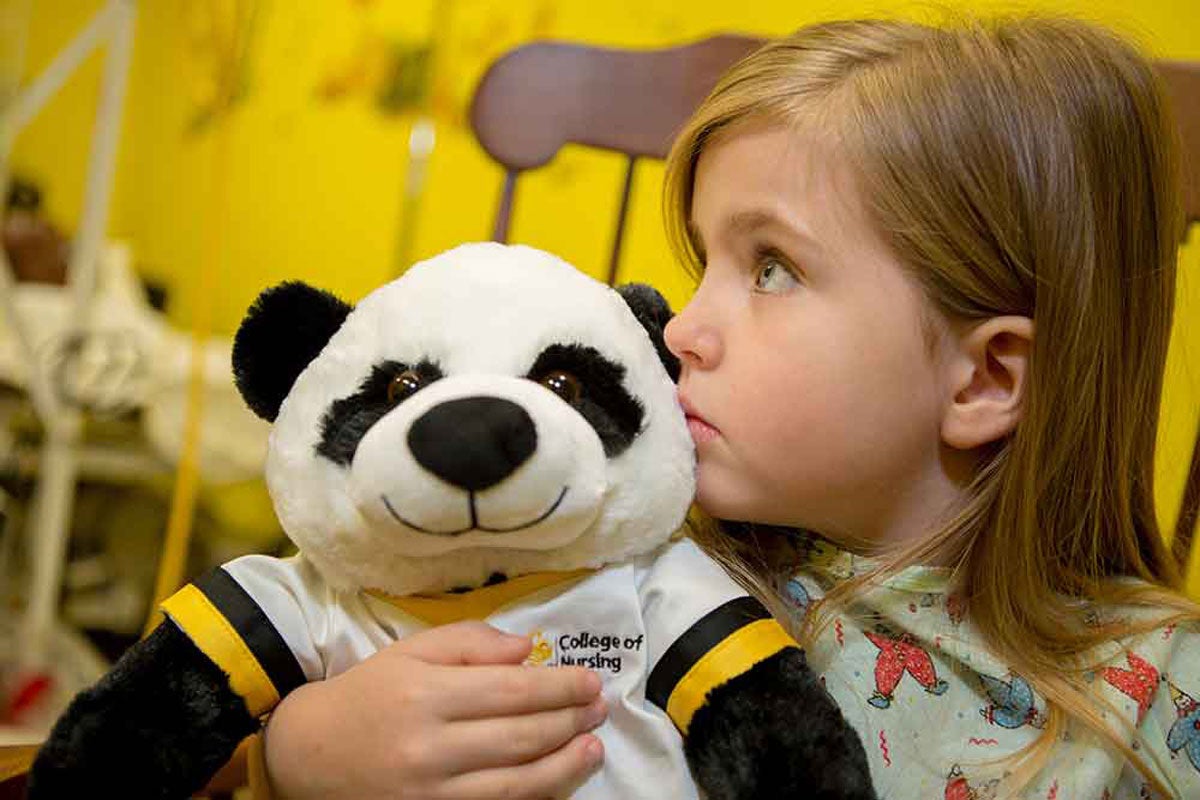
272, 624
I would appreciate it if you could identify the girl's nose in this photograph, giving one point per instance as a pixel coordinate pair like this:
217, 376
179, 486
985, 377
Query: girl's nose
694, 341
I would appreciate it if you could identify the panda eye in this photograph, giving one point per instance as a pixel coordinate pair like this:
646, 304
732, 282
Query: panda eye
563, 384
404, 386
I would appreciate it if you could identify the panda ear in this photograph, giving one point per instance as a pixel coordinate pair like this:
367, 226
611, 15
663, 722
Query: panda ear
284, 330
652, 311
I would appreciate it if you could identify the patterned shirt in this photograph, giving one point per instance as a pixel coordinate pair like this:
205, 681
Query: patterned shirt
933, 706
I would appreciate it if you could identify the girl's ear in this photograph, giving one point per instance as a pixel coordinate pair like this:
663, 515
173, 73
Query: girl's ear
285, 329
989, 372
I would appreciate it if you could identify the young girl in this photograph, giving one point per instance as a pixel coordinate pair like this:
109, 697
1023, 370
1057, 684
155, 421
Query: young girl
937, 273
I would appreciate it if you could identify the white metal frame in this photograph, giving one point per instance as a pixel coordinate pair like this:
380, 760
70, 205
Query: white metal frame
49, 523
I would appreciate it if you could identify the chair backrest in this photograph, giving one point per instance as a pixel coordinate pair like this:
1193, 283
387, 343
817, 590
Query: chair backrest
541, 96
1183, 84
1182, 80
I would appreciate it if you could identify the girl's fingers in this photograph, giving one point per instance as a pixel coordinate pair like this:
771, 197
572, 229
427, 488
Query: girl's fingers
466, 643
553, 776
484, 744
503, 691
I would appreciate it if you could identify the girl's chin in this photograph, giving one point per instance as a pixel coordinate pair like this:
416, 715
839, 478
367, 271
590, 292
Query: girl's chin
717, 502
718, 505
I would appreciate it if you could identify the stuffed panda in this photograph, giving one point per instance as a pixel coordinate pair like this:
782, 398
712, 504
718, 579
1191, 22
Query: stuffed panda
494, 435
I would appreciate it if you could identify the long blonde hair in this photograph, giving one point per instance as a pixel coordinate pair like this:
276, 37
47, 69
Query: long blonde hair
1023, 166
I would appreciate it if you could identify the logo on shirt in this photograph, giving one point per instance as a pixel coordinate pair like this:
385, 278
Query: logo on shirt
605, 652
542, 650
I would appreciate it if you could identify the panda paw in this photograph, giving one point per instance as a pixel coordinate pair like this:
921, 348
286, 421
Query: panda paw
774, 732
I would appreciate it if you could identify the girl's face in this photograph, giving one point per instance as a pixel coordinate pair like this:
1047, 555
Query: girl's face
808, 369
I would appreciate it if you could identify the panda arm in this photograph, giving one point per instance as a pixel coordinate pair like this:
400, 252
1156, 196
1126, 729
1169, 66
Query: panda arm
774, 732
173, 709
755, 720
159, 725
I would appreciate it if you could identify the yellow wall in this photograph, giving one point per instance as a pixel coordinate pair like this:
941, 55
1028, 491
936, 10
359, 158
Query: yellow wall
294, 184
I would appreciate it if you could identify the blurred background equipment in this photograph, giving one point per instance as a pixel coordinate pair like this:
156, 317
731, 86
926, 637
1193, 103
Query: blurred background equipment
49, 521
103, 399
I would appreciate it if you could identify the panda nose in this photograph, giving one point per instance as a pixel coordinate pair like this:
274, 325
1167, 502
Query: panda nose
473, 442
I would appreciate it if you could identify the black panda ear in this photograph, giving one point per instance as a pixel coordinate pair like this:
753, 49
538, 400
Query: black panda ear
284, 330
652, 311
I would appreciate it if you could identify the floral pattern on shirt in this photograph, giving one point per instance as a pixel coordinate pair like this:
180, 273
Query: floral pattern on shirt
936, 710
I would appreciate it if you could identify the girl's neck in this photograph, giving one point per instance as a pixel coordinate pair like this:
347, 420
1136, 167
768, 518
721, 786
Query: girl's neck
919, 512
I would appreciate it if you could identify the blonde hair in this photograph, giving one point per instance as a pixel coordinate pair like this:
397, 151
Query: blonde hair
1022, 166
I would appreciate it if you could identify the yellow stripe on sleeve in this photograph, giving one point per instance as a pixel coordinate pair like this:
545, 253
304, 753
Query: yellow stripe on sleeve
211, 632
735, 655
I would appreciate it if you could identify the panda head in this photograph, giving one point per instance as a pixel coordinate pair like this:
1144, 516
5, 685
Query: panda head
493, 410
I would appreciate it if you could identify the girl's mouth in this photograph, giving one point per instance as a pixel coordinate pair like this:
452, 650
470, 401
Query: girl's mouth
698, 426
701, 431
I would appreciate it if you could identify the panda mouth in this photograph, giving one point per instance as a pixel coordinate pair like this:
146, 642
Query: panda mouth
475, 524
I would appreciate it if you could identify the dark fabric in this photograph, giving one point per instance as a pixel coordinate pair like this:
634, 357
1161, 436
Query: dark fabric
158, 726
773, 732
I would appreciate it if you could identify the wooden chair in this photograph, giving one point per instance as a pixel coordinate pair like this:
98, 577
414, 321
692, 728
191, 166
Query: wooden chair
539, 97
1183, 84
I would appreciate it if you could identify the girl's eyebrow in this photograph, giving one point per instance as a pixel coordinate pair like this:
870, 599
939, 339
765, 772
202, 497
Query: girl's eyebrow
751, 220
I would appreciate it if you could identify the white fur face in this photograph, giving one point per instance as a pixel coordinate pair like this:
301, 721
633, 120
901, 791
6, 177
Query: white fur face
482, 469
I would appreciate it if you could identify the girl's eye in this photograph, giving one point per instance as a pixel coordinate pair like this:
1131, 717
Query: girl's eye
772, 275
404, 386
563, 384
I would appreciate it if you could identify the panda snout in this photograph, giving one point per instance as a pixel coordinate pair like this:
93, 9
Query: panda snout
473, 442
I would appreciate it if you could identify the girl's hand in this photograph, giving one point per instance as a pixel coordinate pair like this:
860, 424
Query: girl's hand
448, 713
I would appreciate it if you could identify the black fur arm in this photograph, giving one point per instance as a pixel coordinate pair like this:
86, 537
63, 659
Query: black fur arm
159, 725
773, 733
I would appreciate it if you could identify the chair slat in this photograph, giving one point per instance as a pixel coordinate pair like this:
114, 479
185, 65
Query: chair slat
540, 97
